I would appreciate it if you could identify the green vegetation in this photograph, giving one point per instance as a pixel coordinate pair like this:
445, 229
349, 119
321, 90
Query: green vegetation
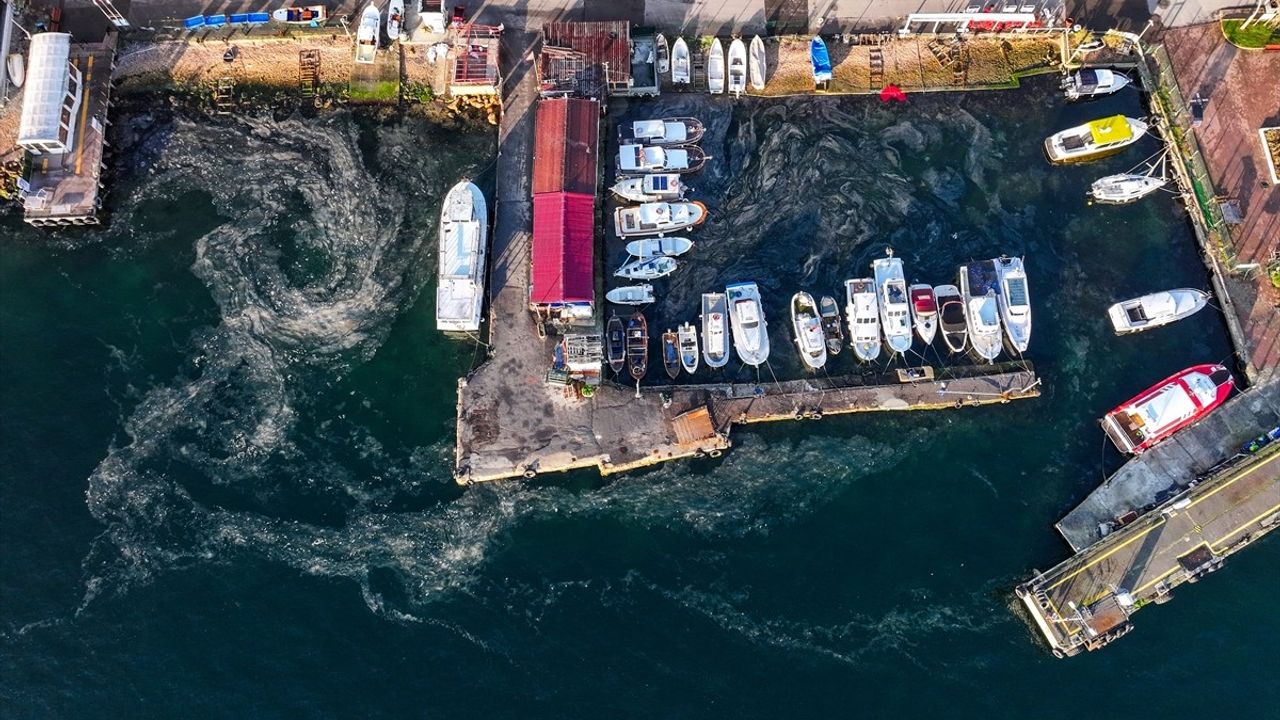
1256, 36
383, 91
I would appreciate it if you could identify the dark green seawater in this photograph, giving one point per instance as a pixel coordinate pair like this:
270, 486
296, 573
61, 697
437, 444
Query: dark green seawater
226, 432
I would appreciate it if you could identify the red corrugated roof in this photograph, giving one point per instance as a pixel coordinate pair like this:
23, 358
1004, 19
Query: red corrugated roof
606, 44
563, 265
565, 151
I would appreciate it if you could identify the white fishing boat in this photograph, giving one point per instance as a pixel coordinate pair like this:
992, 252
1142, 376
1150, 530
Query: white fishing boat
810, 340
687, 339
1083, 84
464, 222
650, 188
395, 19
715, 68
746, 317
367, 35
863, 313
16, 66
656, 247
680, 73
657, 218
759, 65
648, 268
737, 67
978, 285
924, 311
661, 132
951, 312
643, 159
895, 310
664, 53
302, 15
1094, 139
1124, 188
1156, 309
715, 329
1014, 301
631, 295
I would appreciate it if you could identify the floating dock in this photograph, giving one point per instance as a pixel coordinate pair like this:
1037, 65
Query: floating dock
1086, 602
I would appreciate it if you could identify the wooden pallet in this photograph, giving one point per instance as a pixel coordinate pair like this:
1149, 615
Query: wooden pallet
224, 96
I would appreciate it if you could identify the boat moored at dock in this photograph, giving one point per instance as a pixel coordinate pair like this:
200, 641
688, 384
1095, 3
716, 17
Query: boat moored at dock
655, 187
955, 330
924, 311
650, 268
1014, 301
1093, 83
807, 324
680, 67
688, 340
657, 218
616, 344
671, 353
1156, 309
662, 132
464, 222
829, 309
737, 67
659, 247
863, 313
715, 329
1124, 188
746, 317
644, 159
637, 346
715, 68
1095, 139
895, 311
664, 53
367, 35
631, 295
978, 285
1167, 407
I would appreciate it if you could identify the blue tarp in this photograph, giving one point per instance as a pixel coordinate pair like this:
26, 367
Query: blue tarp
192, 23
259, 18
821, 61
240, 19
215, 20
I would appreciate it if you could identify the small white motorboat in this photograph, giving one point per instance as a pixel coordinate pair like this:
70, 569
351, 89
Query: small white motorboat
1014, 301
657, 218
810, 340
746, 317
367, 35
665, 131
16, 66
658, 247
863, 313
648, 268
1094, 139
650, 188
955, 330
1156, 309
759, 64
631, 295
687, 338
978, 285
304, 15
1125, 188
895, 310
644, 159
1084, 84
830, 313
715, 329
464, 222
715, 68
395, 19
737, 67
664, 53
924, 311
680, 73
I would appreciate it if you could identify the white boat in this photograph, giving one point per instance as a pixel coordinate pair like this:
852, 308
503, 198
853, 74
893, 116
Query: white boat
810, 340
715, 68
737, 67
715, 329
746, 317
642, 159
759, 64
978, 285
304, 15
1094, 139
924, 311
680, 62
1156, 309
631, 295
650, 188
664, 131
648, 268
657, 218
464, 222
1014, 301
656, 247
395, 19
16, 66
1124, 188
664, 53
863, 313
687, 339
895, 310
367, 35
1083, 84
951, 312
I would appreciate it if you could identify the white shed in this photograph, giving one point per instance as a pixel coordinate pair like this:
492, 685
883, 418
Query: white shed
52, 96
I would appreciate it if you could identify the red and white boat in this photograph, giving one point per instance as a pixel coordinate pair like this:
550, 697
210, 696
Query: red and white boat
1167, 407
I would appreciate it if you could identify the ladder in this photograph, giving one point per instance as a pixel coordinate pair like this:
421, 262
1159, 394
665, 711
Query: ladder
224, 96
877, 67
112, 13
309, 71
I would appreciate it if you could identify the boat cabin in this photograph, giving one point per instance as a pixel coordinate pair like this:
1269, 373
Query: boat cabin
924, 301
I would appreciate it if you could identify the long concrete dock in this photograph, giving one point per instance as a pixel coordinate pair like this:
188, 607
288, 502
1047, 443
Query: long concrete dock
1086, 602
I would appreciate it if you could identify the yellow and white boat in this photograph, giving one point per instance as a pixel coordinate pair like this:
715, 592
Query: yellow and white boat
1095, 139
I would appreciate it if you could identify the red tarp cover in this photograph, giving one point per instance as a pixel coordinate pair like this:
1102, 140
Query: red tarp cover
924, 300
563, 241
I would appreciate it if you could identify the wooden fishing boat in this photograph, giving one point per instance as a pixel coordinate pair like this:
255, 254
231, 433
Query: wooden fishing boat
637, 346
688, 337
654, 187
759, 65
616, 344
737, 67
671, 354
1174, 403
831, 330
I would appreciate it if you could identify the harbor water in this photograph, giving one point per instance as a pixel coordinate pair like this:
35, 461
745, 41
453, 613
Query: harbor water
227, 426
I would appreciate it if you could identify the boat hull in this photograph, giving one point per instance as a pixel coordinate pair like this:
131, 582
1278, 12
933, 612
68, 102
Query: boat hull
759, 65
680, 62
715, 68
806, 323
752, 343
715, 330
737, 67
1156, 310
637, 346
464, 226
1126, 431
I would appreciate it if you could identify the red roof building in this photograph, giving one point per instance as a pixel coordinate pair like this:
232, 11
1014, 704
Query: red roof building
586, 58
565, 148
563, 270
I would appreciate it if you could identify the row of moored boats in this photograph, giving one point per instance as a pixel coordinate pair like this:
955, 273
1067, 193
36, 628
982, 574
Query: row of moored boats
731, 74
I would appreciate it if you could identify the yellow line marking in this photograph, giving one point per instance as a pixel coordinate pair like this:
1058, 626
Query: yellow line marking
1264, 513
84, 113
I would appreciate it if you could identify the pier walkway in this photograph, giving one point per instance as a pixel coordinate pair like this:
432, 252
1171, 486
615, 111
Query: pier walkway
1086, 602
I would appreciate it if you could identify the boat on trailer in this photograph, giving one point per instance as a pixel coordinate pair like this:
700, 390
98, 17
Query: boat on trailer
680, 74
1094, 139
659, 247
829, 309
737, 67
715, 68
1014, 301
715, 329
654, 187
746, 317
688, 339
759, 65
664, 53
1093, 83
863, 313
821, 60
978, 285
637, 346
671, 353
631, 295
464, 222
810, 340
955, 330
616, 344
645, 159
1156, 309
657, 218
924, 311
895, 310
661, 132
1174, 403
